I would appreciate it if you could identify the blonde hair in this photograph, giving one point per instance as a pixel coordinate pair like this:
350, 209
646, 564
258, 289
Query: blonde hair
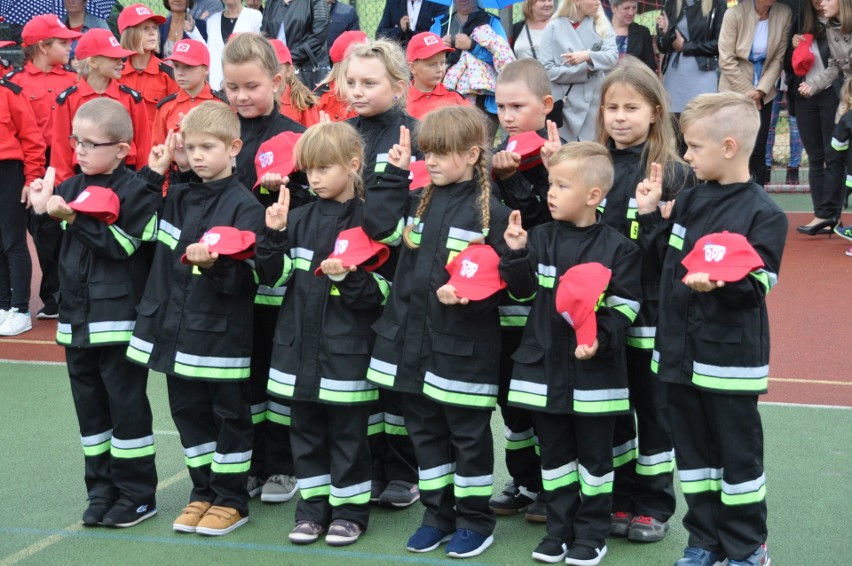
212, 118
133, 38
528, 71
706, 6
568, 9
331, 143
591, 160
527, 7
846, 97
844, 16
251, 48
733, 115
334, 79
392, 58
110, 116
633, 73
454, 130
301, 98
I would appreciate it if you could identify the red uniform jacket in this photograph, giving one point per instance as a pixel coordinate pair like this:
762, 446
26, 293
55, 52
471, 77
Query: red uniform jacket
20, 138
154, 83
167, 116
63, 158
307, 118
338, 110
41, 89
419, 103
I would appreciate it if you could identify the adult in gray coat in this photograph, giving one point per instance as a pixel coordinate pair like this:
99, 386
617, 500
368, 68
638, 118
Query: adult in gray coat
576, 60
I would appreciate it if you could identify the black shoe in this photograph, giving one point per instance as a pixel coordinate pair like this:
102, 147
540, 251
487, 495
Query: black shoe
377, 487
399, 494
550, 551
537, 512
48, 313
512, 500
822, 227
582, 555
126, 514
792, 175
94, 514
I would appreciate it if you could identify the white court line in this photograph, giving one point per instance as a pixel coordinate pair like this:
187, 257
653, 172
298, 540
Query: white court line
805, 405
37, 547
32, 362
166, 432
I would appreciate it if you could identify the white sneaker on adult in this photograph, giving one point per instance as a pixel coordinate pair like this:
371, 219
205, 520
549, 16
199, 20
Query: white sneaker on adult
16, 323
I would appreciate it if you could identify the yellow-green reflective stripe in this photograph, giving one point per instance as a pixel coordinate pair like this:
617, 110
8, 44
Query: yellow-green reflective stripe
132, 452
381, 372
456, 245
700, 480
128, 243
97, 449
545, 281
302, 264
765, 278
198, 461
166, 238
528, 393
334, 291
725, 378
375, 428
258, 413
513, 321
280, 383
315, 486
624, 453
562, 476
395, 424
519, 440
436, 478
744, 498
655, 464
104, 337
268, 300
601, 406
838, 145
348, 396
701, 486
591, 485
641, 343
137, 355
278, 419
321, 491
63, 336
523, 300
479, 486
231, 463
211, 373
278, 413
149, 233
655, 361
519, 444
384, 287
625, 306
358, 494
458, 398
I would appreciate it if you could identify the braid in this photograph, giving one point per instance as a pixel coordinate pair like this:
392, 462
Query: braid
425, 198
484, 193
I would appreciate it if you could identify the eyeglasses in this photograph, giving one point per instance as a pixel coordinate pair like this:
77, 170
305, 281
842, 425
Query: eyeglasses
88, 145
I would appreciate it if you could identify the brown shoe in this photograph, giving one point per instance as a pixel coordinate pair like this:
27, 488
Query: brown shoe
220, 521
188, 519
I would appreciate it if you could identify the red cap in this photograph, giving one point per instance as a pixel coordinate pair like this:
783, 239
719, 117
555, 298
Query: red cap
473, 272
418, 175
101, 42
528, 145
803, 59
99, 202
281, 51
276, 155
227, 241
6, 44
354, 247
47, 26
725, 257
424, 45
580, 289
190, 52
343, 42
135, 14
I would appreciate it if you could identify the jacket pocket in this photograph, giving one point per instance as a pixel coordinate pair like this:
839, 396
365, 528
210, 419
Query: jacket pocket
110, 291
347, 345
527, 355
386, 328
719, 333
452, 345
206, 322
147, 307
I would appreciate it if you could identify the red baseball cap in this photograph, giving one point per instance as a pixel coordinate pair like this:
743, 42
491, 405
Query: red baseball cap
276, 155
101, 42
46, 26
424, 45
528, 145
724, 256
577, 296
6, 44
281, 51
473, 272
343, 42
190, 52
418, 175
803, 59
99, 202
228, 241
135, 14
354, 247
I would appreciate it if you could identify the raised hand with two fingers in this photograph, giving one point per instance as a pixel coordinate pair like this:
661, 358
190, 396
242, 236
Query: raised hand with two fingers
515, 235
552, 144
400, 154
277, 213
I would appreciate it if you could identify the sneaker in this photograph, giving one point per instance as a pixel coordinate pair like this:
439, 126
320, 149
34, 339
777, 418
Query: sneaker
279, 488
126, 514
694, 556
467, 544
620, 525
254, 485
188, 519
537, 512
3, 314
343, 533
94, 513
377, 487
849, 252
427, 539
844, 232
220, 521
399, 493
305, 532
15, 323
583, 555
759, 557
512, 500
48, 313
646, 529
550, 551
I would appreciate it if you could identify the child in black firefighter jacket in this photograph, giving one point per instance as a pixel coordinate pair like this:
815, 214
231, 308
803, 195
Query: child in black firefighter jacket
712, 347
322, 340
195, 321
575, 391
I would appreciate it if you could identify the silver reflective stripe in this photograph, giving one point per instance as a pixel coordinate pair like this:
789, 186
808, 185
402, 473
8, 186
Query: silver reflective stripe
278, 408
559, 472
679, 230
194, 451
602, 204
96, 439
548, 270
302, 253
655, 356
63, 328
625, 448
315, 481
659, 458
111, 326
272, 291
642, 331
133, 442
140, 344
259, 408
595, 481
745, 487
523, 435
397, 420
350, 491
250, 263
436, 472
514, 311
281, 377
169, 229
232, 458
211, 361
730, 371
343, 385
476, 481
376, 418
464, 235
614, 301
601, 394
771, 275
459, 386
700, 474
528, 387
383, 367
632, 203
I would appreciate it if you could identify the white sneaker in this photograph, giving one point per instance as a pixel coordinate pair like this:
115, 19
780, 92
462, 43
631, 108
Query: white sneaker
279, 488
15, 323
4, 313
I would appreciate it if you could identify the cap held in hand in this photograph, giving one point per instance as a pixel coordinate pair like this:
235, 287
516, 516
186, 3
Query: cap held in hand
803, 57
528, 145
724, 256
276, 155
577, 297
98, 202
418, 176
354, 247
474, 274
227, 241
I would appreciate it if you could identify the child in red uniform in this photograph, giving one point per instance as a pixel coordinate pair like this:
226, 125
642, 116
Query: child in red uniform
427, 60
333, 102
145, 73
100, 57
297, 102
5, 64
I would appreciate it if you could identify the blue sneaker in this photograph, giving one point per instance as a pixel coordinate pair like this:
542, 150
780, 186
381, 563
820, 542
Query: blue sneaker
467, 543
759, 557
844, 232
694, 556
427, 539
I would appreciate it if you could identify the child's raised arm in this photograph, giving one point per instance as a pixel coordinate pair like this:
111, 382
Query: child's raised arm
400, 154
552, 144
41, 190
277, 213
515, 235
